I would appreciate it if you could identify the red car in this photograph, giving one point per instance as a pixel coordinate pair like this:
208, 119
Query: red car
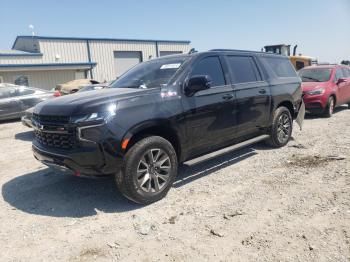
325, 87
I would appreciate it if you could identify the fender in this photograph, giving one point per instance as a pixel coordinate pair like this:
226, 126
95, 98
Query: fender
162, 127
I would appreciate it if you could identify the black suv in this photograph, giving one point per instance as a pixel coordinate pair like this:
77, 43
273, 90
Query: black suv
168, 111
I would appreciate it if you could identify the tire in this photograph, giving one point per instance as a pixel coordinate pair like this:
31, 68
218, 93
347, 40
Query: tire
149, 170
349, 105
282, 127
328, 112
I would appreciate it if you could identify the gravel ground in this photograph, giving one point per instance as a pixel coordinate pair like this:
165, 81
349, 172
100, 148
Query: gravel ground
256, 204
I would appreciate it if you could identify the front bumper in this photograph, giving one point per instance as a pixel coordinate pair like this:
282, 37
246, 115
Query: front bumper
89, 158
26, 121
315, 103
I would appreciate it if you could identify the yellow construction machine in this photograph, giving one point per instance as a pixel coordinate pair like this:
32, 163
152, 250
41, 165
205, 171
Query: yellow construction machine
298, 61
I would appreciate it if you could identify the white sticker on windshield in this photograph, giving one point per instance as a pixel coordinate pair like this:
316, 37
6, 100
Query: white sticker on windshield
170, 66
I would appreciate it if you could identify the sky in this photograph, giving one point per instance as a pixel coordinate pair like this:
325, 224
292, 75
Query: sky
320, 28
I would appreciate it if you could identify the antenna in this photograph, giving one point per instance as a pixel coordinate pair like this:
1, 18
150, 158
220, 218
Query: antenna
31, 28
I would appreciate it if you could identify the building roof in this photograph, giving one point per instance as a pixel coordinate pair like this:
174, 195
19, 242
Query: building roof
39, 66
97, 39
14, 52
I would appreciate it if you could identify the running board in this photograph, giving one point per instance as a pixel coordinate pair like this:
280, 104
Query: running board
225, 150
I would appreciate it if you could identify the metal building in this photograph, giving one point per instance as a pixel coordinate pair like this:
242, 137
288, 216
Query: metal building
44, 62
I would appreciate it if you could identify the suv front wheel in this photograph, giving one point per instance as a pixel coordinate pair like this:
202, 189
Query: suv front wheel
149, 170
281, 129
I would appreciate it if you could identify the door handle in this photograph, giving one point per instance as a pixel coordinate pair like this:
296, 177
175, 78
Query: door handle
227, 97
262, 91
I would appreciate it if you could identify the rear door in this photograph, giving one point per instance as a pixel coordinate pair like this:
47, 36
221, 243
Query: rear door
209, 114
252, 94
28, 97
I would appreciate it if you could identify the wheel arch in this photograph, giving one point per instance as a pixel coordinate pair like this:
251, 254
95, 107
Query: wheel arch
154, 128
334, 96
288, 104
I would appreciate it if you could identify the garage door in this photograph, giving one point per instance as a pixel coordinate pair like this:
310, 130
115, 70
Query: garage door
124, 60
164, 53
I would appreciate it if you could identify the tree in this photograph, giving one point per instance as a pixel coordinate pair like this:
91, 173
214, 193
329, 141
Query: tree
345, 62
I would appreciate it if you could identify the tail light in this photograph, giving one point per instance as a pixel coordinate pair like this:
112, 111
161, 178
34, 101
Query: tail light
57, 93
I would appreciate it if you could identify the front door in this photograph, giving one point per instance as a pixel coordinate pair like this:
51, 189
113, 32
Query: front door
209, 114
342, 87
346, 75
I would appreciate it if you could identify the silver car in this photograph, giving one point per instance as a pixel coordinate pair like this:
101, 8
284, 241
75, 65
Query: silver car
15, 100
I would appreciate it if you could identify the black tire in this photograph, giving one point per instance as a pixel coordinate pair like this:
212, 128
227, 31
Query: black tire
134, 181
349, 105
282, 122
328, 112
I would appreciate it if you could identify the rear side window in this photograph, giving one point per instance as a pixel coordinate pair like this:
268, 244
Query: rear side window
280, 66
211, 67
243, 69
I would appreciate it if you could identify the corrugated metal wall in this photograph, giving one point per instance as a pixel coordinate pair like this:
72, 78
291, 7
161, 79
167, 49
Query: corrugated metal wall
20, 60
76, 51
69, 51
163, 46
103, 54
42, 79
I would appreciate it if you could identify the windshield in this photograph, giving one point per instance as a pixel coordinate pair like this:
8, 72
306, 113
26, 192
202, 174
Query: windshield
315, 75
150, 74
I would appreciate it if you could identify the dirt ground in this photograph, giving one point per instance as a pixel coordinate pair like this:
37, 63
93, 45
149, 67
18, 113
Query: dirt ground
256, 204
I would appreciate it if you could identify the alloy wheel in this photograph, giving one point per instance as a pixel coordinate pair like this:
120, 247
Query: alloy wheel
153, 170
331, 106
283, 128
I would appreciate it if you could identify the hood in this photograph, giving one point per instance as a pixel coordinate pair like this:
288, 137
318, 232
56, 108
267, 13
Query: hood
308, 86
88, 102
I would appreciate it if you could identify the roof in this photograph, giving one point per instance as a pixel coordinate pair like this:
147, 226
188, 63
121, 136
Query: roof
246, 51
96, 39
276, 45
48, 65
18, 53
326, 66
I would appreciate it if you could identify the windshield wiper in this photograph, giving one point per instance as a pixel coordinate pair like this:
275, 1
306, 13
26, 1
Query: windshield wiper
129, 86
311, 78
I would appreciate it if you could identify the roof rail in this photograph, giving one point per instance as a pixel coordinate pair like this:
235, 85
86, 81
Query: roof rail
247, 51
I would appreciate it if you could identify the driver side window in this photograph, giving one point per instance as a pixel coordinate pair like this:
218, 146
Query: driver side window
211, 67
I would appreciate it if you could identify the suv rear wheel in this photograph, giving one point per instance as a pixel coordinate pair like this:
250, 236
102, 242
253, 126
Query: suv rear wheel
282, 125
328, 112
150, 168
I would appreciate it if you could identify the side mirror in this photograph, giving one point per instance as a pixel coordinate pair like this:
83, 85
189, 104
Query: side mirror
341, 80
197, 83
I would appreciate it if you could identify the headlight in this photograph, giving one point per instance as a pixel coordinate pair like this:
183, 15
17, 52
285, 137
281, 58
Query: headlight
318, 91
102, 116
